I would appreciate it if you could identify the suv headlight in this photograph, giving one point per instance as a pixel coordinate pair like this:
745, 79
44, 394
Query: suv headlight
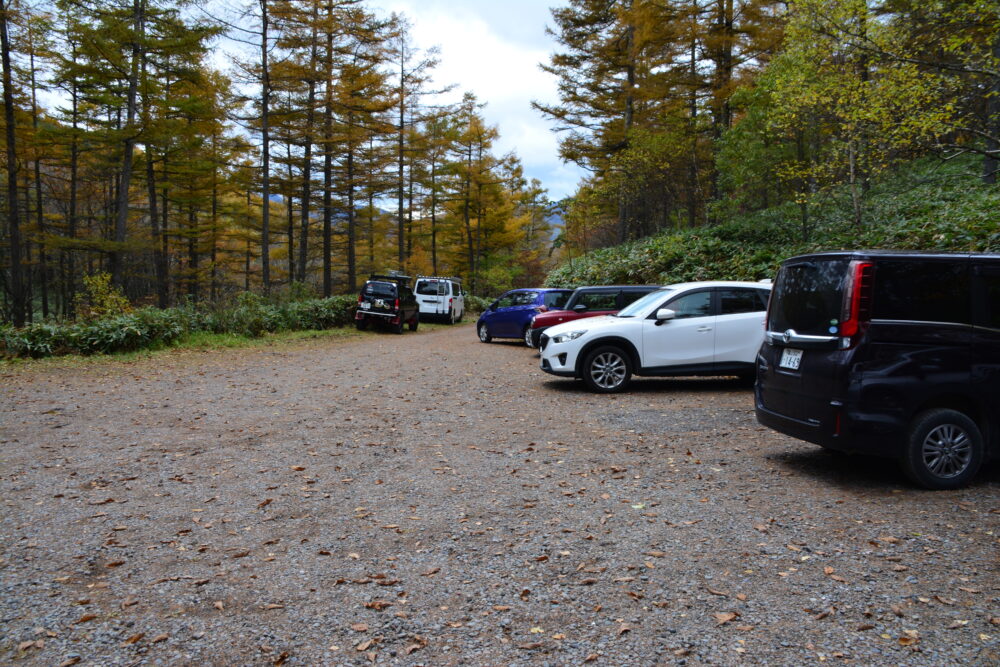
568, 336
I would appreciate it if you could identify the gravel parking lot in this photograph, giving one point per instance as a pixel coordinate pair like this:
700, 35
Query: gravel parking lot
428, 499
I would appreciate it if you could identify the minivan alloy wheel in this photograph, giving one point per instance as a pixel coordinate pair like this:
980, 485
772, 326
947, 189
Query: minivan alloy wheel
944, 449
947, 450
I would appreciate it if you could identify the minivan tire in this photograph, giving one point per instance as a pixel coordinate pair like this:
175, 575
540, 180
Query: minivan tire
607, 370
944, 449
484, 334
414, 323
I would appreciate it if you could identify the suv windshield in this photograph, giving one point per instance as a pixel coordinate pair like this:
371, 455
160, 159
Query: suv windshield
380, 289
639, 305
808, 297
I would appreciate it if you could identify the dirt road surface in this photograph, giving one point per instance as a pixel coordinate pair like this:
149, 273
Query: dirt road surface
428, 499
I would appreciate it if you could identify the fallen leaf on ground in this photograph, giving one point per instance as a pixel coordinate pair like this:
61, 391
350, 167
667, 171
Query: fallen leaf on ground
725, 617
162, 637
134, 638
360, 627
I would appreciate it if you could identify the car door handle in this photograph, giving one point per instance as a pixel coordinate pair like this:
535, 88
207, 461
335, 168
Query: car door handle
704, 329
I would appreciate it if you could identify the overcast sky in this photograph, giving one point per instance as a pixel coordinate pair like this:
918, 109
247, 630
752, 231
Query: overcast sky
492, 48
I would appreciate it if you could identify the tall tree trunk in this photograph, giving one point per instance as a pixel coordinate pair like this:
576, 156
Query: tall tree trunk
121, 217
14, 227
399, 140
265, 102
352, 268
43, 266
290, 210
328, 157
307, 138
74, 161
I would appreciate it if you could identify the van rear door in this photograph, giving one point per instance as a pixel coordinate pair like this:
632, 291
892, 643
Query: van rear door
802, 339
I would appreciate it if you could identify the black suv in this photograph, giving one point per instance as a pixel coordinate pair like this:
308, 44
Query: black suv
888, 353
387, 299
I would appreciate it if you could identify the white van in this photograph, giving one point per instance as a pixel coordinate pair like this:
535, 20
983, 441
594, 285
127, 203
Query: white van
440, 298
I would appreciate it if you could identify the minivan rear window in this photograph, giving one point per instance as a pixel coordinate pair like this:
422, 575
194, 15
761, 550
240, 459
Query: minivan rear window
809, 297
432, 287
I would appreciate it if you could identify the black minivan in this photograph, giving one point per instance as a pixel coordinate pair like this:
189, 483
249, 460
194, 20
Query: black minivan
887, 353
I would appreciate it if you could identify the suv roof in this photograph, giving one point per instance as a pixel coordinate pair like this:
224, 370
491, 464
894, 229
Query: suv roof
921, 254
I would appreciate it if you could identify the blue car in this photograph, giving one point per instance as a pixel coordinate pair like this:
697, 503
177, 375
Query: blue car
510, 315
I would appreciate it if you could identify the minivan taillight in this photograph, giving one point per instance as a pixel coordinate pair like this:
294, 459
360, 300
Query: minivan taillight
857, 303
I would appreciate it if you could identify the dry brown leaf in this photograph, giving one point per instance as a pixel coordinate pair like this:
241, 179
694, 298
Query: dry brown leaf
240, 554
719, 593
218, 605
623, 628
162, 637
947, 601
741, 597
725, 617
281, 659
360, 627
70, 661
367, 644
431, 572
298, 468
994, 620
418, 643
265, 502
378, 605
274, 606
908, 641
828, 570
838, 578
957, 624
591, 657
531, 646
115, 563
85, 618
134, 638
501, 607
526, 593
865, 626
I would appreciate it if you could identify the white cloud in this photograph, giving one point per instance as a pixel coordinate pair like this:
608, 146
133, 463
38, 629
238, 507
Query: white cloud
493, 49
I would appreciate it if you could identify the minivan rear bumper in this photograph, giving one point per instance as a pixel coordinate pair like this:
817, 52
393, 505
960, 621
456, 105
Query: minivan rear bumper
840, 429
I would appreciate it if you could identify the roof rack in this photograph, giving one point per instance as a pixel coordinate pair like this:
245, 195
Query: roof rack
392, 276
451, 278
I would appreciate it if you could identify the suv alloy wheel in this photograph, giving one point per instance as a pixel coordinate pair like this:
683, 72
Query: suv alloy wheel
607, 370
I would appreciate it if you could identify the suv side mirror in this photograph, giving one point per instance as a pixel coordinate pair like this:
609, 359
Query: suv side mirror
580, 308
664, 314
493, 306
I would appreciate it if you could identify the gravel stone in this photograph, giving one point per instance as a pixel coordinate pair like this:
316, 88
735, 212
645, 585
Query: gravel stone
428, 499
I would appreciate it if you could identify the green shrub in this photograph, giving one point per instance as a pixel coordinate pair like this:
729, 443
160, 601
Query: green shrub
100, 298
476, 304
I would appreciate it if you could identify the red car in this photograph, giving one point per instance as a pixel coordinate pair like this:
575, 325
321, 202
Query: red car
586, 302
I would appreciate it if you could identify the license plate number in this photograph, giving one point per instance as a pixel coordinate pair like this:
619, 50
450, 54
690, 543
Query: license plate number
366, 305
791, 358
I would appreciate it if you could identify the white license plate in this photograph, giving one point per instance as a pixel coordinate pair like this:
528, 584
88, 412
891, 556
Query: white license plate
791, 358
365, 305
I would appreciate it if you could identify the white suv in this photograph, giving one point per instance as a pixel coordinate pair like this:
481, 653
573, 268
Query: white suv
440, 298
704, 328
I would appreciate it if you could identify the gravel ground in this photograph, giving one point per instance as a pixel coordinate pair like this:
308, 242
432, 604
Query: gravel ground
427, 499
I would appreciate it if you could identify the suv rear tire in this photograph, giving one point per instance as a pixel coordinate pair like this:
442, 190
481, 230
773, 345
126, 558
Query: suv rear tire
607, 370
944, 449
361, 324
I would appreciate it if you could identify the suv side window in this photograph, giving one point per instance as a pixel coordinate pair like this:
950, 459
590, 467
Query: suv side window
599, 300
735, 301
698, 304
556, 300
928, 291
